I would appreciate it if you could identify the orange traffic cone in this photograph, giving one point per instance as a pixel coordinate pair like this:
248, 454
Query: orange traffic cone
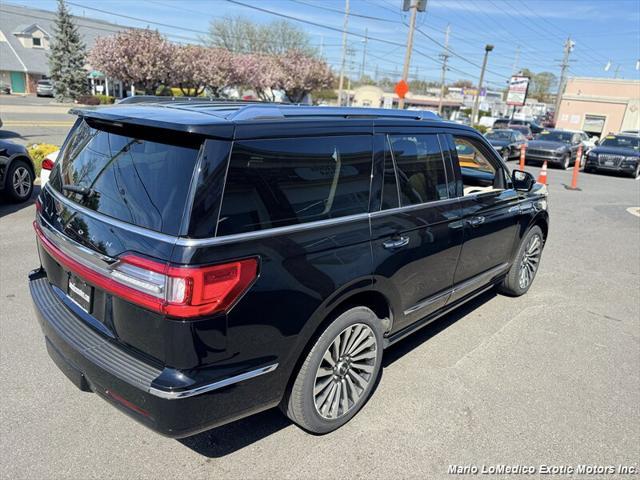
542, 178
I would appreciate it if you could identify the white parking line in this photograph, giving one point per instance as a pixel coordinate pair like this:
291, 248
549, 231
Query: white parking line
634, 211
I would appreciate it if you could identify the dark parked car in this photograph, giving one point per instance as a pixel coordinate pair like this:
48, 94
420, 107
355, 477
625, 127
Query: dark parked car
525, 130
558, 147
506, 141
617, 153
501, 123
201, 262
16, 172
44, 88
535, 128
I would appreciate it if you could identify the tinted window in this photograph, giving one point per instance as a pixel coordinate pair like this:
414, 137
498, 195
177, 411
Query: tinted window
274, 183
135, 180
420, 168
556, 136
499, 135
621, 142
390, 187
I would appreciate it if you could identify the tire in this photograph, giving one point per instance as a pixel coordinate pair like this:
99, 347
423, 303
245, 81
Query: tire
505, 154
19, 181
588, 169
566, 161
321, 412
529, 252
636, 172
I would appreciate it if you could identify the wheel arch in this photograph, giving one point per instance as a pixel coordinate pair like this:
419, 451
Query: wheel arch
370, 298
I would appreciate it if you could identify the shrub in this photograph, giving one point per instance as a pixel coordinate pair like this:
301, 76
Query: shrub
481, 128
38, 153
88, 100
105, 99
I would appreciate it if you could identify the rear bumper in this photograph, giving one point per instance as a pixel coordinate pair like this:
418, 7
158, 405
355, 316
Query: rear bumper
153, 395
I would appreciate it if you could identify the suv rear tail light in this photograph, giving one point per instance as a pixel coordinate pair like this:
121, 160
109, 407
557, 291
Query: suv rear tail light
183, 292
47, 164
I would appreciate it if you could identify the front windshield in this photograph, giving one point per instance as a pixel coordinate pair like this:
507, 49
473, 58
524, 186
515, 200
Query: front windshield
499, 135
556, 136
622, 142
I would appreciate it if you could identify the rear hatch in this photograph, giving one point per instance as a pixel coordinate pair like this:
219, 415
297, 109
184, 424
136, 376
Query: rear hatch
107, 225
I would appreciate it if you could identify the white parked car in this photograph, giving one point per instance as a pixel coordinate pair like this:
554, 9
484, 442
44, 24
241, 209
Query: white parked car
47, 165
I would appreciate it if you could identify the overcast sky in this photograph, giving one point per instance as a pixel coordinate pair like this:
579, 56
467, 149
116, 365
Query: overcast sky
604, 30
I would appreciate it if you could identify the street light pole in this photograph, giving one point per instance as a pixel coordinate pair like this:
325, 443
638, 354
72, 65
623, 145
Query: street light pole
474, 112
445, 56
344, 51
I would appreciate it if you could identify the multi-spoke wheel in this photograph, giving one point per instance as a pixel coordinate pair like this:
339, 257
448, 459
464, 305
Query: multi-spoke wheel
345, 371
525, 266
19, 181
530, 260
338, 374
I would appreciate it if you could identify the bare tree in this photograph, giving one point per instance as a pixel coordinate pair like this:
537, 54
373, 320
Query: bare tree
240, 35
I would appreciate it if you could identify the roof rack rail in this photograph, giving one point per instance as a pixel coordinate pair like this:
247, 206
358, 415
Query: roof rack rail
167, 99
258, 111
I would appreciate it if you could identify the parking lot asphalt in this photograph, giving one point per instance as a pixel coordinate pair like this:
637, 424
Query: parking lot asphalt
552, 377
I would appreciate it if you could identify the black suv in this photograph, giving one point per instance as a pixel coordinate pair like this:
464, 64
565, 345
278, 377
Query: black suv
201, 262
616, 153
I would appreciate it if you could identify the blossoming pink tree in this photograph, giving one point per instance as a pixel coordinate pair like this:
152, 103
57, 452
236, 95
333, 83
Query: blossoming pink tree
302, 74
139, 57
262, 73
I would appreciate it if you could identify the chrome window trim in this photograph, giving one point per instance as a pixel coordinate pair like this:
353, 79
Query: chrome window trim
245, 236
162, 237
176, 395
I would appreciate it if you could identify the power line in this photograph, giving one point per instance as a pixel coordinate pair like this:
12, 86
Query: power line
335, 10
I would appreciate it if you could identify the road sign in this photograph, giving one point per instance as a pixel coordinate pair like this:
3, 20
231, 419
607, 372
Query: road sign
518, 87
402, 88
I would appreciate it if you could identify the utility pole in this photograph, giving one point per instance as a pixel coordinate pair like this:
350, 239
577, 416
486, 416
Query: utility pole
474, 112
414, 6
321, 45
364, 53
445, 57
514, 70
568, 47
344, 51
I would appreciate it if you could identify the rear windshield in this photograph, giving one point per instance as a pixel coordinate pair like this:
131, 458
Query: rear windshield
134, 180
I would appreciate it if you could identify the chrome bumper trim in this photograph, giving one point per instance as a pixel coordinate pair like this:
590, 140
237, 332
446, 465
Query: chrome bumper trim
167, 395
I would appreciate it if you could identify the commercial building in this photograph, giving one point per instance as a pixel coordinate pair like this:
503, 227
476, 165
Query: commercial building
600, 105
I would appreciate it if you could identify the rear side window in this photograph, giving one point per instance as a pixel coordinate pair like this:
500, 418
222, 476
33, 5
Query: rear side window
274, 183
420, 168
134, 180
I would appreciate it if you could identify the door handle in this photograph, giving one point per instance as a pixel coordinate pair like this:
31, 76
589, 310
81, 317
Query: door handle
397, 243
475, 221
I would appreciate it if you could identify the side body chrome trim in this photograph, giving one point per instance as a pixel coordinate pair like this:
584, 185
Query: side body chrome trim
428, 301
167, 395
478, 279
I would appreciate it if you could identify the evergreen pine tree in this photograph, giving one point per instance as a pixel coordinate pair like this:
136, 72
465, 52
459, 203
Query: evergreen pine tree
68, 57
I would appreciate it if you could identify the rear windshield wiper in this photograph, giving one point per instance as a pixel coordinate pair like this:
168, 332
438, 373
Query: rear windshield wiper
84, 191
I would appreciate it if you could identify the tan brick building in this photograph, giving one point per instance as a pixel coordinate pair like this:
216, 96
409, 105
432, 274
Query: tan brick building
600, 105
